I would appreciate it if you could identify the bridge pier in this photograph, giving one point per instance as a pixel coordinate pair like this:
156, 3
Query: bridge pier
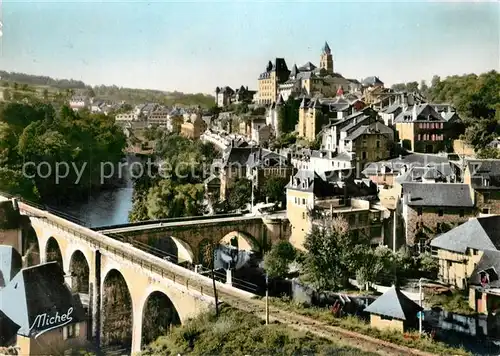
95, 302
137, 331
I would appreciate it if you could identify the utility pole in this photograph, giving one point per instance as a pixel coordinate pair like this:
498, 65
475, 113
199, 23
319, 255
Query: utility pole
267, 299
394, 227
421, 313
213, 251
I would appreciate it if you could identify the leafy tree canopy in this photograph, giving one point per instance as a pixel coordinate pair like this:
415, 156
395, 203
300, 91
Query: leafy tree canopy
277, 260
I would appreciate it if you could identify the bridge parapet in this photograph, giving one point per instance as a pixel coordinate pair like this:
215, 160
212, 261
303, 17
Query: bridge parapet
165, 269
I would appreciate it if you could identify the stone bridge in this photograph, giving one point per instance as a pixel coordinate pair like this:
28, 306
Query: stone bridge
105, 258
186, 239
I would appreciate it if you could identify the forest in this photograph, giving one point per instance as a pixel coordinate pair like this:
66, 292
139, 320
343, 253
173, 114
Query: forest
20, 83
477, 100
35, 139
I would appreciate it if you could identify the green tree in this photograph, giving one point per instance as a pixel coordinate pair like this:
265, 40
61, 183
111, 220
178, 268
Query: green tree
274, 189
481, 132
239, 194
278, 259
6, 95
399, 87
489, 152
169, 200
288, 115
332, 254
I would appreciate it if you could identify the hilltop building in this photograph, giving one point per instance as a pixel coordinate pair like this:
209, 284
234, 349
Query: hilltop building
276, 73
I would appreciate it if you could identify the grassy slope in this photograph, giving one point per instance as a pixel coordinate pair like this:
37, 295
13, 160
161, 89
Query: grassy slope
240, 333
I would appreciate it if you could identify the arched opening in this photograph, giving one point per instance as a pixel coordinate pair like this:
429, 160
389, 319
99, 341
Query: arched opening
117, 317
54, 252
235, 250
165, 246
31, 248
79, 270
159, 316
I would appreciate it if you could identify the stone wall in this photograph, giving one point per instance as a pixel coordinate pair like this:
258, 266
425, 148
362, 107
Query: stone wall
427, 222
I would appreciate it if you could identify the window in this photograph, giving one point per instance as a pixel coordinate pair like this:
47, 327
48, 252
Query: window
419, 211
303, 215
461, 213
384, 317
71, 331
303, 201
378, 144
363, 155
440, 212
486, 210
438, 227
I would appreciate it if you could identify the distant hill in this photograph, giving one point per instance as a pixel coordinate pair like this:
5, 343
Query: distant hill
103, 92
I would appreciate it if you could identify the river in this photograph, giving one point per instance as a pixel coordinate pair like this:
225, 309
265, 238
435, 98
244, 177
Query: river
109, 207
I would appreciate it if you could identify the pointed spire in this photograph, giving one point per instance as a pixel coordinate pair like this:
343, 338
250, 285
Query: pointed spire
303, 103
217, 90
326, 49
269, 66
294, 71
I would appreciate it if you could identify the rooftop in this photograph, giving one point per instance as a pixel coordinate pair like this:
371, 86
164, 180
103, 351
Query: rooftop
394, 304
438, 194
477, 233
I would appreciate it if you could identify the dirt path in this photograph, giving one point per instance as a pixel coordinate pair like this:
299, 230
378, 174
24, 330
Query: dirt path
335, 334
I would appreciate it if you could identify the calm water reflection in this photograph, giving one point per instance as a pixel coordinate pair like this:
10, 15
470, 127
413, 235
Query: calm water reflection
107, 208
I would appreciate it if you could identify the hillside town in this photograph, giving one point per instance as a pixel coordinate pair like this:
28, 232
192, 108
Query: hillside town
345, 165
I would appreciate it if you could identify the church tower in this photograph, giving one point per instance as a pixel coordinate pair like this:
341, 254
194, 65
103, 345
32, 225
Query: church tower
326, 59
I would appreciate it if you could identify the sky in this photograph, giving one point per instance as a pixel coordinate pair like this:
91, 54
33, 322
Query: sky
194, 46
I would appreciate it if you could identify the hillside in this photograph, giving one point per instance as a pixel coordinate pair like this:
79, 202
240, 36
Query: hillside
239, 333
21, 85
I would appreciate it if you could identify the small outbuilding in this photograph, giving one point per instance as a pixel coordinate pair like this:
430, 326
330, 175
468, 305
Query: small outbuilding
393, 310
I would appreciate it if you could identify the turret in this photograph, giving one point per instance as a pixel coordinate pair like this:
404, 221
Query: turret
269, 66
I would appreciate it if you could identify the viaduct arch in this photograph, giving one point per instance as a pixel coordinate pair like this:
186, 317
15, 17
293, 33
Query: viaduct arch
140, 283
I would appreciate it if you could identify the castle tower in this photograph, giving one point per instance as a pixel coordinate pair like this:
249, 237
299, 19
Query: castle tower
326, 59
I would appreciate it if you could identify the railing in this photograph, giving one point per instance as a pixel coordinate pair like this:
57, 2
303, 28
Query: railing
170, 220
103, 242
45, 208
222, 277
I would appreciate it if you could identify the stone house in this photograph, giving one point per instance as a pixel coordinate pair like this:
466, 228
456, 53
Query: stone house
194, 127
311, 196
394, 310
484, 284
421, 129
483, 176
460, 249
432, 208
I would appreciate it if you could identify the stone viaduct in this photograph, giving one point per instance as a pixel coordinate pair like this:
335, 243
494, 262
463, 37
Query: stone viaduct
144, 274
187, 238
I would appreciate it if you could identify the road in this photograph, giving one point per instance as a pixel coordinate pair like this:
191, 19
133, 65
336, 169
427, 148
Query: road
164, 225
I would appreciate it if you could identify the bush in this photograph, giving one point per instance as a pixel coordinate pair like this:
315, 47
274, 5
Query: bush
239, 333
409, 339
